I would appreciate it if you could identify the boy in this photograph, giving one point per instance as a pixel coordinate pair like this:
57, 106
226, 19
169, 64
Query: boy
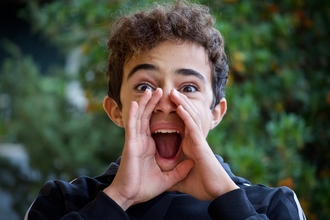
167, 74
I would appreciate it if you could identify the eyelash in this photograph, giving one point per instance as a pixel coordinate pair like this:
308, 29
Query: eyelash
144, 84
138, 87
189, 86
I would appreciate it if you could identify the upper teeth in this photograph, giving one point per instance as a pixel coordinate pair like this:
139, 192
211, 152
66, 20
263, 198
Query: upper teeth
166, 131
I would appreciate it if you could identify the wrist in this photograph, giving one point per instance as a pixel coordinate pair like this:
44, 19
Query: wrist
117, 197
230, 188
226, 188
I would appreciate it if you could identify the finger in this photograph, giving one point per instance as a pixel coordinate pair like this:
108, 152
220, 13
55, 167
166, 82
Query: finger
179, 173
132, 120
190, 123
142, 103
199, 147
149, 108
156, 96
183, 100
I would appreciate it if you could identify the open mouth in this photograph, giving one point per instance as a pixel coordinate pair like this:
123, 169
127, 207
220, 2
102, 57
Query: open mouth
167, 142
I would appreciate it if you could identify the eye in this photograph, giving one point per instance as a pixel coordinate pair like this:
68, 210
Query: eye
188, 88
143, 87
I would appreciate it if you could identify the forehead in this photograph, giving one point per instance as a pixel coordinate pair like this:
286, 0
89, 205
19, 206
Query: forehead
170, 57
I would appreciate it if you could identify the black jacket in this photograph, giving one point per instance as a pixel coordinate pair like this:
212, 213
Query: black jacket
83, 199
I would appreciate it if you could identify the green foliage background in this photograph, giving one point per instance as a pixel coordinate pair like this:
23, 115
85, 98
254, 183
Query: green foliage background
276, 130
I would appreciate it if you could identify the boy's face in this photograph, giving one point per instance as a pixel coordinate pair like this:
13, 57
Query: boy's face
184, 67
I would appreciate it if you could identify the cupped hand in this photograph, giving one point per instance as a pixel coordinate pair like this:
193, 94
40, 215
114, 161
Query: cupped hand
139, 178
207, 179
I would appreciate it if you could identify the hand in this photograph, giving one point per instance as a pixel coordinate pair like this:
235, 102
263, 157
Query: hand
207, 179
138, 168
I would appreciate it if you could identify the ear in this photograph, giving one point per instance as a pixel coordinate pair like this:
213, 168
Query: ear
218, 112
113, 111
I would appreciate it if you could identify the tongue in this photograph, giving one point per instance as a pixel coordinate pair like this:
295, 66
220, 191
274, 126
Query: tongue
167, 144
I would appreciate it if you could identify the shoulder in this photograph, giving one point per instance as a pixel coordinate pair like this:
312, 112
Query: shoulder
261, 193
84, 186
60, 197
279, 201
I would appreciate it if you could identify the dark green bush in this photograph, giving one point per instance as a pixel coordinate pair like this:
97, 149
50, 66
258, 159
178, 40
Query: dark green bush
276, 130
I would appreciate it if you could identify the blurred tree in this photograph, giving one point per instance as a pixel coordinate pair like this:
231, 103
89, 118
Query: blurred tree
61, 141
276, 129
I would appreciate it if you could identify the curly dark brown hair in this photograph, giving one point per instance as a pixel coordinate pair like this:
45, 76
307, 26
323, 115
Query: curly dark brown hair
180, 21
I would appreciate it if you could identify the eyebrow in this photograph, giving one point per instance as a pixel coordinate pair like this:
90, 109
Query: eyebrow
191, 72
143, 66
183, 71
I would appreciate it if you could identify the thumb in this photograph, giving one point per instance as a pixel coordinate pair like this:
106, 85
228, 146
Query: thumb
180, 172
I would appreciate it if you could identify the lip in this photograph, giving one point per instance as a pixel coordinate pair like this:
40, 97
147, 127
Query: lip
167, 126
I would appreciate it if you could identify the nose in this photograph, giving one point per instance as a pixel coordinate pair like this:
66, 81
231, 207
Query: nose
165, 104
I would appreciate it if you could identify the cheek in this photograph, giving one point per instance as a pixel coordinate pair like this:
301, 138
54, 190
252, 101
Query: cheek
125, 114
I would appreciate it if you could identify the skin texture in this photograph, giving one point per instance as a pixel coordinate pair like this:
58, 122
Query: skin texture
168, 88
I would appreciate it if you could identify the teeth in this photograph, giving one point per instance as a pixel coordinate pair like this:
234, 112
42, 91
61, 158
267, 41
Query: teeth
166, 131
